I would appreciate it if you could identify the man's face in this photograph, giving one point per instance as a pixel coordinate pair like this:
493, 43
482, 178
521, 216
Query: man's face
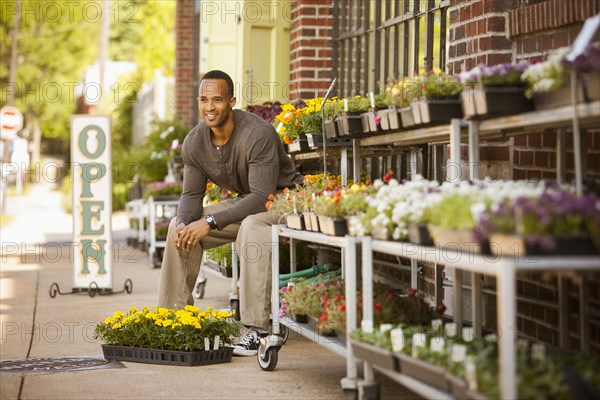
214, 103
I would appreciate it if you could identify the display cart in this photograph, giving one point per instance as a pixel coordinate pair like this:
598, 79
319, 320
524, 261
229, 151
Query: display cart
136, 211
159, 209
269, 346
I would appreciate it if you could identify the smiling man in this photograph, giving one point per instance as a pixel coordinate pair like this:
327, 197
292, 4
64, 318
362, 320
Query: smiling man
240, 152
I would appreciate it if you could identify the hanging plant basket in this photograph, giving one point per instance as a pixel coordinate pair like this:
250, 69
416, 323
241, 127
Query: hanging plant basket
167, 357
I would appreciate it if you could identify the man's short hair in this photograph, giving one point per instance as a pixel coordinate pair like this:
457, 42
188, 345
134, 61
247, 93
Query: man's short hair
217, 74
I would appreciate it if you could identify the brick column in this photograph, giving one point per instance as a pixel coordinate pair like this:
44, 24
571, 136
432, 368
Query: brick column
184, 62
478, 34
311, 48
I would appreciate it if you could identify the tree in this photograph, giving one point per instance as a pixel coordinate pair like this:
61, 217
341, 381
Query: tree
56, 40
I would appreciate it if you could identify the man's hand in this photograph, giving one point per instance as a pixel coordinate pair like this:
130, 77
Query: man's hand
187, 237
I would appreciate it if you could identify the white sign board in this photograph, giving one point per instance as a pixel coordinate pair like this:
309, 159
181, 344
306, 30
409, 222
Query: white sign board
92, 201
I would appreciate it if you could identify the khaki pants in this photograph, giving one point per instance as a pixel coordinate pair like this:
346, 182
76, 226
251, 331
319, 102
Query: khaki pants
253, 244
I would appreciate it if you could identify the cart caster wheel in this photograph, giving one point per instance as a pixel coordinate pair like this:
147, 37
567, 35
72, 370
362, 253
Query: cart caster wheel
267, 358
234, 306
198, 292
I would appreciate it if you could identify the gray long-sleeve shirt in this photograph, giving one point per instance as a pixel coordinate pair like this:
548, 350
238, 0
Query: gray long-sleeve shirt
253, 164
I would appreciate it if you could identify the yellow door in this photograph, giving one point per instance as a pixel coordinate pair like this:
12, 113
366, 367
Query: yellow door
250, 40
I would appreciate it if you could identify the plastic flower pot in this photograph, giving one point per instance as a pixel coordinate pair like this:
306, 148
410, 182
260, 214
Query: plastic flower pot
374, 355
384, 121
511, 245
423, 371
299, 144
434, 111
333, 226
331, 128
490, 101
407, 117
418, 233
396, 120
295, 221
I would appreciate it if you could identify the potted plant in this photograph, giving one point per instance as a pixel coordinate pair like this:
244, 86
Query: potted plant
495, 90
163, 191
435, 98
165, 336
332, 108
550, 84
455, 215
554, 221
330, 213
399, 114
161, 229
349, 121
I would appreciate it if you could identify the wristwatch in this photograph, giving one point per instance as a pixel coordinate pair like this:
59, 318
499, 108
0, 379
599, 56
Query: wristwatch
210, 220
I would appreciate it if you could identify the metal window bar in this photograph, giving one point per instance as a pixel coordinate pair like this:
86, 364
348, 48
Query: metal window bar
393, 29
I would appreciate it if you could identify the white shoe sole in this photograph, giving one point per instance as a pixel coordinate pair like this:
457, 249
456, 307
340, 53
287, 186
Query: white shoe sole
244, 352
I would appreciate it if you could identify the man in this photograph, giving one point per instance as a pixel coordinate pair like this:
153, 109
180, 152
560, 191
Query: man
242, 153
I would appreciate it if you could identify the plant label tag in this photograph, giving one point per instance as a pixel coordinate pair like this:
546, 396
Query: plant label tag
367, 326
397, 336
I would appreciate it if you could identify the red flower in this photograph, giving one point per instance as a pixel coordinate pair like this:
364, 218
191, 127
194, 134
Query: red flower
388, 177
323, 316
441, 308
342, 308
412, 292
377, 307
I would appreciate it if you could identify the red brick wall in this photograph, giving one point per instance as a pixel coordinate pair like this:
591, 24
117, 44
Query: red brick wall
498, 31
311, 48
536, 29
184, 62
477, 34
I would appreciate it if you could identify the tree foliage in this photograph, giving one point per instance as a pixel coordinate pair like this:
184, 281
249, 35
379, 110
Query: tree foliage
56, 40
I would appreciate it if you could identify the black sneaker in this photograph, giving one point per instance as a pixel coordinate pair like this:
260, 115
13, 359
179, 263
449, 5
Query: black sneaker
248, 345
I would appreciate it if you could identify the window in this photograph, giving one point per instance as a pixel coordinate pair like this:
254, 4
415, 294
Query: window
375, 40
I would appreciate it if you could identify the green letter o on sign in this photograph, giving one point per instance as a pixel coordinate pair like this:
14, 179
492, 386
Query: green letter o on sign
101, 137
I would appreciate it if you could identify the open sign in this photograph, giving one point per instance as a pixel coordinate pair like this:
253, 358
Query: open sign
92, 201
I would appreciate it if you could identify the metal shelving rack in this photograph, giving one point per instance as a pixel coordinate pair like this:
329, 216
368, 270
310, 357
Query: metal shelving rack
348, 244
505, 269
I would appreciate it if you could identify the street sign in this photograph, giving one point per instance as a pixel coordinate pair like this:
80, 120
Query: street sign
11, 122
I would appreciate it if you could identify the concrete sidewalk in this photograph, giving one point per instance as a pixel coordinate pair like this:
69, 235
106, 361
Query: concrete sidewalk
36, 326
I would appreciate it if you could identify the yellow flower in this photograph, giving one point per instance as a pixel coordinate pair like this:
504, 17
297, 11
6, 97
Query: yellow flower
192, 309
116, 326
163, 311
167, 322
118, 315
133, 310
109, 321
354, 188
